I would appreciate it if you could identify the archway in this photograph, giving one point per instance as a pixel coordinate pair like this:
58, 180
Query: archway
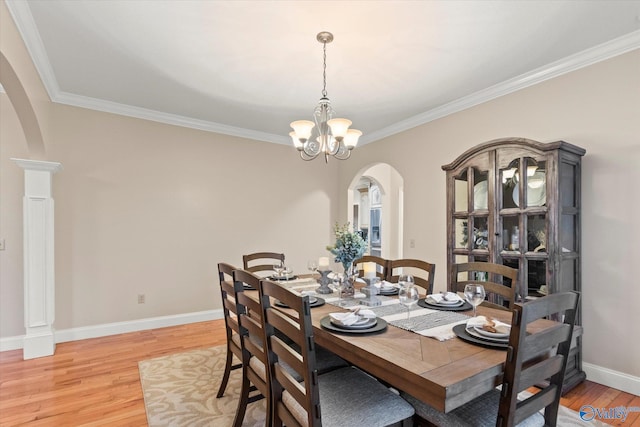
24, 110
385, 200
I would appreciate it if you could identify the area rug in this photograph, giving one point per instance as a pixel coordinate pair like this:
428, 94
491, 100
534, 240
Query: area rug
180, 390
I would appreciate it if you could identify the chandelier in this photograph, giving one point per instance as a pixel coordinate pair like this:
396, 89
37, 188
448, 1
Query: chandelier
334, 138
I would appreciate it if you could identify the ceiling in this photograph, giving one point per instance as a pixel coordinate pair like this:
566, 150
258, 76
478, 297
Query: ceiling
249, 68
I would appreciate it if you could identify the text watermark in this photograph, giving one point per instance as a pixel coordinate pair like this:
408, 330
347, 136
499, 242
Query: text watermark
588, 412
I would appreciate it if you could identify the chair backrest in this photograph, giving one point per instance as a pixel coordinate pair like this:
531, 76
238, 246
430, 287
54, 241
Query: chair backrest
422, 272
250, 319
228, 290
381, 265
530, 361
291, 350
500, 282
259, 261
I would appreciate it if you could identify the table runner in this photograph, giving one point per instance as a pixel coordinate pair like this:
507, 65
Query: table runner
424, 321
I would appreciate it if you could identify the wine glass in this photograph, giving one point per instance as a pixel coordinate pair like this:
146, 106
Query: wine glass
278, 267
336, 285
408, 296
405, 280
312, 266
474, 294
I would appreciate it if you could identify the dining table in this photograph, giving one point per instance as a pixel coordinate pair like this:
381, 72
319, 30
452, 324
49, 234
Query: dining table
442, 373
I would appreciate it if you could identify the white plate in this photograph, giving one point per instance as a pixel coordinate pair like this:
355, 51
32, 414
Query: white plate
489, 334
312, 300
480, 195
363, 323
474, 332
445, 303
536, 190
457, 303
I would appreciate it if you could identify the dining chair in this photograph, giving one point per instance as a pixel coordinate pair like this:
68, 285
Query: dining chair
532, 358
342, 397
261, 261
232, 328
255, 361
500, 282
381, 265
423, 272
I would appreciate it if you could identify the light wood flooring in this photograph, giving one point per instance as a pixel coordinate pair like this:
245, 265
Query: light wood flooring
95, 382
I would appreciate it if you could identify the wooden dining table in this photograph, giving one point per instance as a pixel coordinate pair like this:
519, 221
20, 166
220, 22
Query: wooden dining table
444, 374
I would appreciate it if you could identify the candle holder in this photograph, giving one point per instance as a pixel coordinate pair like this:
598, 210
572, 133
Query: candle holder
371, 291
324, 282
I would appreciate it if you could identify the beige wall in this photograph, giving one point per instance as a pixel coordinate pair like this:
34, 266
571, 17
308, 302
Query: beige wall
12, 144
597, 108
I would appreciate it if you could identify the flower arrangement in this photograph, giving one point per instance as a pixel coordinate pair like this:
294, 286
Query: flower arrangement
349, 245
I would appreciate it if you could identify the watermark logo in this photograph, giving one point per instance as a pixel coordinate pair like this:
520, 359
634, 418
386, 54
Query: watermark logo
588, 412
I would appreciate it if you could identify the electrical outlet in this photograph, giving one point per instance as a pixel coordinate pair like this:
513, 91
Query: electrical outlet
412, 243
1, 244
140, 298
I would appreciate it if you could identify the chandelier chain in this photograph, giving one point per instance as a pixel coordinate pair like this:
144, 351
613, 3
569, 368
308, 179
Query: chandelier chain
324, 70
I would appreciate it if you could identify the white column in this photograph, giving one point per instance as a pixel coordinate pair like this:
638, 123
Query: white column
39, 278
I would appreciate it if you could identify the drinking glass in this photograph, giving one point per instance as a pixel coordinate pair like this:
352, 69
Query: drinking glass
405, 280
278, 267
312, 266
336, 285
474, 294
408, 296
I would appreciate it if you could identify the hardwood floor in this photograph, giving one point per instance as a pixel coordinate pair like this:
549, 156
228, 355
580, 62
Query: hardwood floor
95, 382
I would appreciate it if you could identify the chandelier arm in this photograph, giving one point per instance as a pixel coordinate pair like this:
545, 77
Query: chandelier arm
312, 149
343, 153
344, 156
336, 148
306, 157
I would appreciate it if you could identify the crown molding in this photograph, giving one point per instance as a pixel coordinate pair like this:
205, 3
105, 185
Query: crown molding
566, 65
26, 26
23, 19
167, 118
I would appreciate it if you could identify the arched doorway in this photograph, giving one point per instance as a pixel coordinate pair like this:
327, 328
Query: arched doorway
375, 199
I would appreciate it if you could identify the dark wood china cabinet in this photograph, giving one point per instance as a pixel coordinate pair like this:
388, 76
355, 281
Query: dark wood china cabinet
517, 202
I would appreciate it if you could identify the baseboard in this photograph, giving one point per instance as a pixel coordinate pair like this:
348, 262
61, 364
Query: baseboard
611, 378
96, 331
11, 343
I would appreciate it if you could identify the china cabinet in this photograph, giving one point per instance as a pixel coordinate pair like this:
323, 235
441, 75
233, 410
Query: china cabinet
516, 202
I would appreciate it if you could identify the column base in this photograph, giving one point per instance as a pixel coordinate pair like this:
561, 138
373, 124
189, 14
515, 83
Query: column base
39, 345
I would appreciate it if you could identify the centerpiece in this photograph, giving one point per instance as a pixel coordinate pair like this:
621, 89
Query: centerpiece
349, 246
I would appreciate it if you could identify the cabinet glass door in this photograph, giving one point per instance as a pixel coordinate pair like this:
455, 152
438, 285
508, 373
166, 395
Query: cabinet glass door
471, 213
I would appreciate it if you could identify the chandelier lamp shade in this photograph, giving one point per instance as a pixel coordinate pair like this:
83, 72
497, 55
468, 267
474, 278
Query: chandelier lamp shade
332, 137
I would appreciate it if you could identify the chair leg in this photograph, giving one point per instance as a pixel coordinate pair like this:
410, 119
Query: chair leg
243, 400
227, 372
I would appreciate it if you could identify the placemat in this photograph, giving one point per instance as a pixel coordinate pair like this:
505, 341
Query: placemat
429, 321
